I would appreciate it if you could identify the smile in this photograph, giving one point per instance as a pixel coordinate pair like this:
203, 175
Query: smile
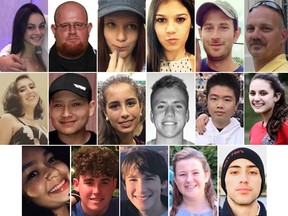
60, 187
142, 198
170, 123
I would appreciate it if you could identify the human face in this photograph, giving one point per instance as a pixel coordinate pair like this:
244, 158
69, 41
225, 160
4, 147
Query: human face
35, 30
169, 112
72, 43
243, 182
218, 35
190, 178
262, 97
122, 108
28, 93
69, 112
221, 104
172, 26
265, 37
144, 191
121, 32
95, 192
45, 179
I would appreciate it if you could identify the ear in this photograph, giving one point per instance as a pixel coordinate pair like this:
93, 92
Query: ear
92, 106
284, 35
164, 185
114, 183
76, 184
237, 34
187, 115
236, 107
151, 117
277, 97
124, 186
53, 28
89, 26
200, 32
207, 176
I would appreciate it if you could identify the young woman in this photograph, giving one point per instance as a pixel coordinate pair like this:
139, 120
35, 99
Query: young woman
170, 35
45, 181
121, 36
28, 34
193, 192
121, 105
23, 106
267, 98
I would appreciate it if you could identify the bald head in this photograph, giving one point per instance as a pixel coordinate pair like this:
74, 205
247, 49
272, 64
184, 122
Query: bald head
70, 7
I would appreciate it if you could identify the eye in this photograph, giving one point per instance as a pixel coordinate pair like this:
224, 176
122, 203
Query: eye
57, 105
132, 26
160, 20
180, 19
111, 24
42, 26
76, 104
32, 175
114, 106
31, 27
252, 93
51, 160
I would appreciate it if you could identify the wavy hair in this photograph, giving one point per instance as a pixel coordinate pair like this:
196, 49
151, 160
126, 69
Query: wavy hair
184, 154
107, 134
155, 49
12, 103
280, 111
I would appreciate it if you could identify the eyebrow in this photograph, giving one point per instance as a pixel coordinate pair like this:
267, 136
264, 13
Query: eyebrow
238, 167
32, 162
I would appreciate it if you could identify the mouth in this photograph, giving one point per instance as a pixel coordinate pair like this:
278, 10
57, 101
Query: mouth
190, 186
59, 187
169, 123
142, 198
72, 39
219, 113
126, 124
258, 105
120, 48
67, 123
243, 190
97, 199
36, 38
172, 40
31, 97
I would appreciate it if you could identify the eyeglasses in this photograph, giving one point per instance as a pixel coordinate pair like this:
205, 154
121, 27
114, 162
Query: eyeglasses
68, 26
271, 5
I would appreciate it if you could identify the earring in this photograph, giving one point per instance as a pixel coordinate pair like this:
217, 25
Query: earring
140, 114
106, 118
191, 27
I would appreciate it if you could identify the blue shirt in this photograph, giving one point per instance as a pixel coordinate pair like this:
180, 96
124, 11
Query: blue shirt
206, 68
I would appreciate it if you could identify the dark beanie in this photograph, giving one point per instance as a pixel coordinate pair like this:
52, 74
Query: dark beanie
245, 153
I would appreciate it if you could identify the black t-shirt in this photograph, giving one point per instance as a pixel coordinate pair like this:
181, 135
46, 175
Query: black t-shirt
54, 138
85, 63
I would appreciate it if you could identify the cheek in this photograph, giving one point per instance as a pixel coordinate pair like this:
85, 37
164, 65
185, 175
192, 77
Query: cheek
35, 190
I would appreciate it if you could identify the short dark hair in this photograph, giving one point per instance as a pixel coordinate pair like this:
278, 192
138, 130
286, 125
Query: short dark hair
12, 104
224, 79
169, 81
96, 161
146, 162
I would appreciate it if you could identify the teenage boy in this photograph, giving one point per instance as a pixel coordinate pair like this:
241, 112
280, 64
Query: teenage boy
222, 95
96, 172
71, 105
144, 176
169, 110
243, 180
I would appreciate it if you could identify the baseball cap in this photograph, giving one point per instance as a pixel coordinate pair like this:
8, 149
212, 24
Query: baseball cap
73, 82
110, 6
224, 6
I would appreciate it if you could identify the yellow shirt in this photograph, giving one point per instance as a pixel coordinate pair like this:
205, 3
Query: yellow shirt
278, 64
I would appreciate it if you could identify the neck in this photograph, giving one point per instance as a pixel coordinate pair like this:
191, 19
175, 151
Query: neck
92, 212
80, 137
126, 138
29, 51
199, 205
130, 63
175, 55
220, 124
224, 65
250, 209
178, 139
157, 209
259, 63
63, 211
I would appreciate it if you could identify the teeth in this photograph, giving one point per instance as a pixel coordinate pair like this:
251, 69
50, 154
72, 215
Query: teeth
142, 198
58, 186
169, 123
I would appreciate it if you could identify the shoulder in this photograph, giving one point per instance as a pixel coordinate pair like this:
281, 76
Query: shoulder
152, 141
239, 69
8, 119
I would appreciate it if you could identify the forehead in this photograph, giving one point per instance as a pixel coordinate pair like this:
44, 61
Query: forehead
35, 18
29, 153
24, 81
242, 163
66, 95
260, 84
173, 93
122, 16
259, 16
216, 15
188, 164
168, 5
71, 12
120, 90
221, 91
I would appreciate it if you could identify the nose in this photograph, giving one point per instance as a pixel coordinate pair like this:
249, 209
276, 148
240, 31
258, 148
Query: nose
72, 29
243, 177
219, 104
96, 189
66, 112
141, 186
52, 173
189, 177
170, 29
121, 34
124, 112
170, 111
215, 34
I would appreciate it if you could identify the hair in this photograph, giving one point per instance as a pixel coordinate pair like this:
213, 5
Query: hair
280, 111
138, 53
107, 134
29, 208
155, 49
69, 2
169, 81
95, 161
20, 26
147, 162
224, 79
12, 104
185, 154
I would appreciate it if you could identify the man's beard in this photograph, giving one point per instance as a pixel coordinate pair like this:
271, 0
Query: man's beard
71, 51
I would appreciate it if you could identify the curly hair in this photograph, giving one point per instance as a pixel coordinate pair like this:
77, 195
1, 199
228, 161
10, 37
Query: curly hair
12, 103
107, 134
146, 162
280, 110
95, 161
184, 154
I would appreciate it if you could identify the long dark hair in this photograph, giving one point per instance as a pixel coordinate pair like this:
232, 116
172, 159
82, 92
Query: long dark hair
20, 26
12, 104
155, 49
138, 53
107, 134
280, 111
